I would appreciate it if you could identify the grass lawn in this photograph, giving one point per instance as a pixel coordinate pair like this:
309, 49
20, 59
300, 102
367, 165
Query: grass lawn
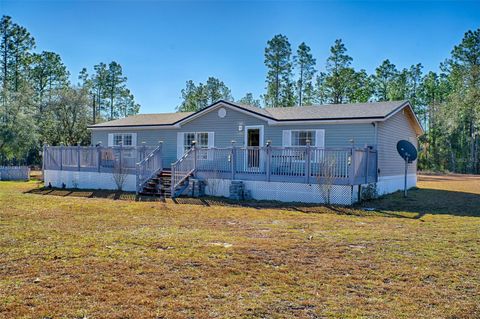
74, 257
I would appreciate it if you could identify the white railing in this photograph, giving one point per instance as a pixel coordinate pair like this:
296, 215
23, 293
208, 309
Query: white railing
183, 168
94, 158
341, 166
149, 167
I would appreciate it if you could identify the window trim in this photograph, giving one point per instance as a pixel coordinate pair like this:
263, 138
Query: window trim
313, 131
122, 140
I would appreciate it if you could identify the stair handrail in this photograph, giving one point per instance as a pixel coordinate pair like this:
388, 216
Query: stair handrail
155, 158
179, 176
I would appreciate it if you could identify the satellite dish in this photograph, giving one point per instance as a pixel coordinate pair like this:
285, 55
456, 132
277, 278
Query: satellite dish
407, 150
409, 153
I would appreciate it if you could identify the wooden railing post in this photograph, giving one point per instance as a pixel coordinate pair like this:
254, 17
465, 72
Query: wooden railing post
307, 162
194, 146
172, 182
352, 166
120, 157
78, 156
99, 156
269, 160
160, 155
61, 156
233, 163
144, 151
367, 153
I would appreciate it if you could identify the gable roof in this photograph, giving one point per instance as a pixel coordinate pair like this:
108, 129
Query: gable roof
160, 119
374, 111
336, 111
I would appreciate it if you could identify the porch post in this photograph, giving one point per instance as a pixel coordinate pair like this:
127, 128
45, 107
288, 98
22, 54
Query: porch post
137, 179
194, 146
352, 166
78, 156
233, 160
269, 159
160, 157
99, 156
120, 157
367, 153
61, 156
144, 151
307, 162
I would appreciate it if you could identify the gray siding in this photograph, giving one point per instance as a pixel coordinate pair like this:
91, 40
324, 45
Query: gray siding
396, 128
227, 129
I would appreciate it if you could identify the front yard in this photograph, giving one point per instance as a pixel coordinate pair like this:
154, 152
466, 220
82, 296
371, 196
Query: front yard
74, 257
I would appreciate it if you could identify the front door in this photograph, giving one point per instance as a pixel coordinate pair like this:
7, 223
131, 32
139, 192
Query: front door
253, 147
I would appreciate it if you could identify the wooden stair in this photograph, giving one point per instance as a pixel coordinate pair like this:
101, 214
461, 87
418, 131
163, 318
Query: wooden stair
159, 186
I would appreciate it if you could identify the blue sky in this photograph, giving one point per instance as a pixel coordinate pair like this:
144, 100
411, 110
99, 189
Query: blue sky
163, 44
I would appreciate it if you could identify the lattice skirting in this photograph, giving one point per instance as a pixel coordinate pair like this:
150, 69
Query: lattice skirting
288, 192
87, 180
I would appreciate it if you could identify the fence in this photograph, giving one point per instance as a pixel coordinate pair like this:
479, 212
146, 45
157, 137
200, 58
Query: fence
311, 165
94, 158
14, 173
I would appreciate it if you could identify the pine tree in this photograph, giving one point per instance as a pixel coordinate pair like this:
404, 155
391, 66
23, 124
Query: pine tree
115, 88
384, 78
339, 73
248, 99
196, 97
305, 64
279, 72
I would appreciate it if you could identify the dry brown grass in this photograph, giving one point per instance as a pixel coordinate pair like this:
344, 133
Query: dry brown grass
74, 257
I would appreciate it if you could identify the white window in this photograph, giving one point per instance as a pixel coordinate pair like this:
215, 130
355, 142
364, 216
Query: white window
203, 140
188, 139
300, 138
124, 139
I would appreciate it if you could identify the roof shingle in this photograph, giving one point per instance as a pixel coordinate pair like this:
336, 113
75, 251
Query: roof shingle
317, 112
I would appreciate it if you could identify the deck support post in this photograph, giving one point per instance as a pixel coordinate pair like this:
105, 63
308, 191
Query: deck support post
194, 146
61, 157
160, 158
367, 153
119, 158
269, 160
78, 157
99, 156
233, 160
308, 151
352, 166
172, 183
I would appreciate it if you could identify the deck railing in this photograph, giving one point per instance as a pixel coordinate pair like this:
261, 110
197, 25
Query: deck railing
183, 168
94, 158
148, 167
311, 165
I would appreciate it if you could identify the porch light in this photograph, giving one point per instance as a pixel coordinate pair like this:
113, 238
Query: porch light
240, 128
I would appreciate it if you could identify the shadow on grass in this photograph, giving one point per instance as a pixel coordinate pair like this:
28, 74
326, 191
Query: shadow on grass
418, 203
428, 201
85, 193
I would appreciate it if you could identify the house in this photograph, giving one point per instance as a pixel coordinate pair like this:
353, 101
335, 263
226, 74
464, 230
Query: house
278, 153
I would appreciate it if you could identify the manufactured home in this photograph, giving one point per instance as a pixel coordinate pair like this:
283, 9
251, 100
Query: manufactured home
324, 153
